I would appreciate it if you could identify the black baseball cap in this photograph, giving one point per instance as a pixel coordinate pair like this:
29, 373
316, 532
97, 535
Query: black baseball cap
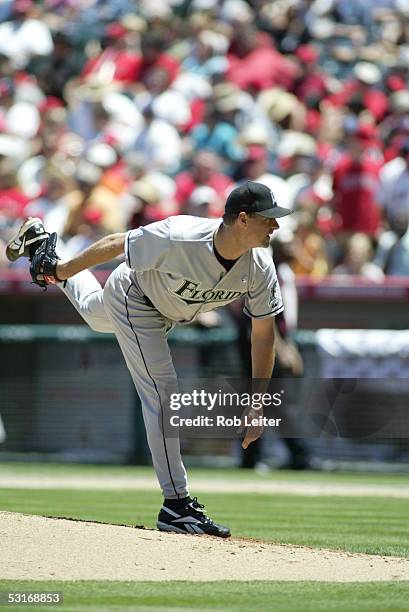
254, 197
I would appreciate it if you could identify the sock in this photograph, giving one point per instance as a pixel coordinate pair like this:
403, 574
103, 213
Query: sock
174, 504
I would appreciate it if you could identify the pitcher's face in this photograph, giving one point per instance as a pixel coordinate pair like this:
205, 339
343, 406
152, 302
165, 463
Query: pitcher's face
260, 230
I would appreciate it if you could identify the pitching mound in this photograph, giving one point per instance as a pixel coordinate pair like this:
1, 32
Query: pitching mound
39, 548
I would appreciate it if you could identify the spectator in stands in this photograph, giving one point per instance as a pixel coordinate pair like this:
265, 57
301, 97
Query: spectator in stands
218, 132
53, 71
393, 247
152, 193
154, 56
309, 248
168, 104
159, 142
255, 163
393, 195
254, 63
26, 35
396, 125
88, 230
311, 82
397, 262
356, 183
207, 56
52, 206
12, 199
394, 200
204, 172
238, 78
116, 62
202, 202
357, 260
87, 178
311, 184
363, 94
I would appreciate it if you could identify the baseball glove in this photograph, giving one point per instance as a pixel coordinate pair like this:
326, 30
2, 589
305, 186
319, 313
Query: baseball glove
44, 262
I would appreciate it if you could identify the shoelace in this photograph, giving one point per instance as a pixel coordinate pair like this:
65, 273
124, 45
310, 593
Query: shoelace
199, 508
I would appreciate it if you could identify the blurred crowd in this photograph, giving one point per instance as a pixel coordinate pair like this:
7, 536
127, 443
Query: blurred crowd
118, 113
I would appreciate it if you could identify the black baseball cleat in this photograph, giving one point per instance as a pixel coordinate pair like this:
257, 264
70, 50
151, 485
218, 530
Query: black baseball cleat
26, 242
191, 519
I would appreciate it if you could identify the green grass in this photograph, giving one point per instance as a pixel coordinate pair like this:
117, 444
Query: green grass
359, 524
223, 596
375, 525
67, 469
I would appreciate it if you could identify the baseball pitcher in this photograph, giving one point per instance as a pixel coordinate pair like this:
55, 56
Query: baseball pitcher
174, 270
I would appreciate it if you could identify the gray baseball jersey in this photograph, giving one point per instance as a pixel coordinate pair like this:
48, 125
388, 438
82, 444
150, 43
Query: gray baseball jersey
175, 266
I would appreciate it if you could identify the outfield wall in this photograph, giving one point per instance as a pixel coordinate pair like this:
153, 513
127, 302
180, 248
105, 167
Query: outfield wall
66, 392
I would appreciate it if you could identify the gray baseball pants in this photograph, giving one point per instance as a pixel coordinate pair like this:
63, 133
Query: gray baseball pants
141, 333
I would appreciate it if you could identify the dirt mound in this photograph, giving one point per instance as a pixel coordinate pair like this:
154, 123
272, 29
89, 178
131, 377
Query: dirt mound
39, 548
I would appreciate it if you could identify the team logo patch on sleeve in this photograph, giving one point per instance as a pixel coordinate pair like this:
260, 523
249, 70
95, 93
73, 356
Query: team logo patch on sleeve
275, 296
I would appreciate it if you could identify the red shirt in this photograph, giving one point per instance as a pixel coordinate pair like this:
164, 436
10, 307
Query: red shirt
311, 85
126, 65
13, 202
164, 61
262, 68
355, 188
